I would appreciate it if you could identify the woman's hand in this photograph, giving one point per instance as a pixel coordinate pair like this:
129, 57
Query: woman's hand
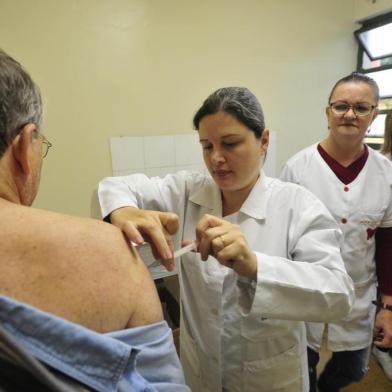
226, 242
154, 227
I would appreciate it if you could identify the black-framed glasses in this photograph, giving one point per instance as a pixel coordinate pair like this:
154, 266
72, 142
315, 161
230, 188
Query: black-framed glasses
340, 108
46, 145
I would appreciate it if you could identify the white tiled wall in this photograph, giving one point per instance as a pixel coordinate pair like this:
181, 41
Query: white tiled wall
156, 155
127, 153
160, 155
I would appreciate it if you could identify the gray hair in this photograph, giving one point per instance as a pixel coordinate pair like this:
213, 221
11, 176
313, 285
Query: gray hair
20, 100
357, 77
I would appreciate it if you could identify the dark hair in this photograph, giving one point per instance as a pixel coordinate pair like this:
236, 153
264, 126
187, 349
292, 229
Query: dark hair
358, 77
237, 101
20, 100
386, 148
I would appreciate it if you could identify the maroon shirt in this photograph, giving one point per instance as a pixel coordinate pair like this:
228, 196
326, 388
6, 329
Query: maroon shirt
383, 234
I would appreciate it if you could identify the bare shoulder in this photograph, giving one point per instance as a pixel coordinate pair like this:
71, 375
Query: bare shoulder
81, 269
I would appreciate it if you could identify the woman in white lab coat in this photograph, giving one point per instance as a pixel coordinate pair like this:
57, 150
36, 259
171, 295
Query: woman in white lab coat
267, 253
355, 183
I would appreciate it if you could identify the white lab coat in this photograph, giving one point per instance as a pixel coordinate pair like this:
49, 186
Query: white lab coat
359, 208
237, 335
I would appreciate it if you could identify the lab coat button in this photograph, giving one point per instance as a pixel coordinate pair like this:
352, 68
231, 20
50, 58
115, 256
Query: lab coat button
214, 312
346, 188
344, 221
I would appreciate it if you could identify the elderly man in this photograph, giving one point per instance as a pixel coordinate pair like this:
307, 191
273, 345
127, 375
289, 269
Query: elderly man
73, 292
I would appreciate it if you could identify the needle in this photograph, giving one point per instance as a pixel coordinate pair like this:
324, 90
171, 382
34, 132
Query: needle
177, 253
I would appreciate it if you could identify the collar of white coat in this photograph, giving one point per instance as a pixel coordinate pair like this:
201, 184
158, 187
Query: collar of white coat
209, 196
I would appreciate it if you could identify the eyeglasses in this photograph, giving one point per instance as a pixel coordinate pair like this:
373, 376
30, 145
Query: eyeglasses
360, 109
46, 145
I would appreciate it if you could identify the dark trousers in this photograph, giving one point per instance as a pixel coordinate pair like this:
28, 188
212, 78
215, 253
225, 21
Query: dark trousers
343, 368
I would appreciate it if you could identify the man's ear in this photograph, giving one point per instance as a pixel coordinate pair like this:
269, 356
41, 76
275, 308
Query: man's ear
22, 148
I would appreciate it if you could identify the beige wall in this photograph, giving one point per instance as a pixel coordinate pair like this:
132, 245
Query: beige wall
369, 8
133, 67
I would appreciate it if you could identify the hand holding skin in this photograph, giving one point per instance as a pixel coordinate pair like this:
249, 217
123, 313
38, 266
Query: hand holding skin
226, 242
154, 227
383, 325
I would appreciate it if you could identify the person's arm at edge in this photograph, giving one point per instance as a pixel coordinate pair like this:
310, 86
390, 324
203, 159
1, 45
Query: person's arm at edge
384, 274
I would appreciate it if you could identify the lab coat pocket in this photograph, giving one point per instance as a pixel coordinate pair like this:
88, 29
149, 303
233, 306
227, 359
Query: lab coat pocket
371, 220
280, 373
359, 244
363, 311
256, 328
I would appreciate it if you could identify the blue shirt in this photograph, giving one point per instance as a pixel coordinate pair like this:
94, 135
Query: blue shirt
136, 359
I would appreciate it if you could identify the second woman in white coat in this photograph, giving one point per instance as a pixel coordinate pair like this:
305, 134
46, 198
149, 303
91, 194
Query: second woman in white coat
355, 183
267, 258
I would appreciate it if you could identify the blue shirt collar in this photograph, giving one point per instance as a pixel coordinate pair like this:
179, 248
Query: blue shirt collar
94, 359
